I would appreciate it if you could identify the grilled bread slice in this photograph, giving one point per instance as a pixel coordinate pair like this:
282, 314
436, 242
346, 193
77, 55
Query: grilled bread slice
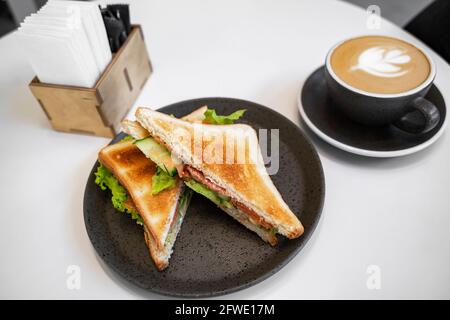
243, 177
134, 171
134, 128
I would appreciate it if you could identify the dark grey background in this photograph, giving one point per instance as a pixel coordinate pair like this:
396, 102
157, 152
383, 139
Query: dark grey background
12, 12
398, 11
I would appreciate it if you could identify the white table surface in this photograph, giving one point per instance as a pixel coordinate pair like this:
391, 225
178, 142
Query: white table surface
393, 213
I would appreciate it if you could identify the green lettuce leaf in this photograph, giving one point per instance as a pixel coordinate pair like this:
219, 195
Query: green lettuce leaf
208, 193
184, 202
105, 180
211, 117
127, 138
162, 180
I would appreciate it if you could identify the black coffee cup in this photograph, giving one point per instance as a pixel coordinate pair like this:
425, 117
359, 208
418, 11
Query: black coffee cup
375, 109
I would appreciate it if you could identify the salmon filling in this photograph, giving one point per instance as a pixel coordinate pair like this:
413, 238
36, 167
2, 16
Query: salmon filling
190, 172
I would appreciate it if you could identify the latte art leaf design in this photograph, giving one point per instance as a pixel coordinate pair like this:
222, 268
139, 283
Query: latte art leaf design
382, 62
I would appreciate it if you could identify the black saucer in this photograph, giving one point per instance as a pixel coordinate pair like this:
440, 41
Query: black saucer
320, 115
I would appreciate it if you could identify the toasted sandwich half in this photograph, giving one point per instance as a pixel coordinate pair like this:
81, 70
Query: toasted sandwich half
243, 189
159, 210
160, 214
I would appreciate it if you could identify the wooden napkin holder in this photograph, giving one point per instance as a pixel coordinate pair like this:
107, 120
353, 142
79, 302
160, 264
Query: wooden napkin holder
99, 110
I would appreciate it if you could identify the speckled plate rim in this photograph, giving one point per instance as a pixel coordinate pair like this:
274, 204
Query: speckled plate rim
307, 235
360, 151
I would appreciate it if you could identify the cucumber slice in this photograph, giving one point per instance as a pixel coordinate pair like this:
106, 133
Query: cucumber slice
158, 154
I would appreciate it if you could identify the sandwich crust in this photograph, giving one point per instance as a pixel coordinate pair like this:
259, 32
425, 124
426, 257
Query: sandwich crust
264, 234
134, 129
159, 256
135, 171
247, 182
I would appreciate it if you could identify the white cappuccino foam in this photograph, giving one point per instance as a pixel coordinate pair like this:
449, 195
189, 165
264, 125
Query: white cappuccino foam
380, 64
383, 62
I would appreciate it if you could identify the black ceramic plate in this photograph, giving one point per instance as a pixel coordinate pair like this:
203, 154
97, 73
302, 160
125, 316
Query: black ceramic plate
321, 116
213, 254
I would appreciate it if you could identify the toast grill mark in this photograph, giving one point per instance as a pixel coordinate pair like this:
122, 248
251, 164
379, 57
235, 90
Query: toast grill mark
237, 146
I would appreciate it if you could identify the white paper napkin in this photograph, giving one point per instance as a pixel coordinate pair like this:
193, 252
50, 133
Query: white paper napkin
66, 43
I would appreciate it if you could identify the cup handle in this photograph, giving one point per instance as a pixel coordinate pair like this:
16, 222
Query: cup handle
428, 119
